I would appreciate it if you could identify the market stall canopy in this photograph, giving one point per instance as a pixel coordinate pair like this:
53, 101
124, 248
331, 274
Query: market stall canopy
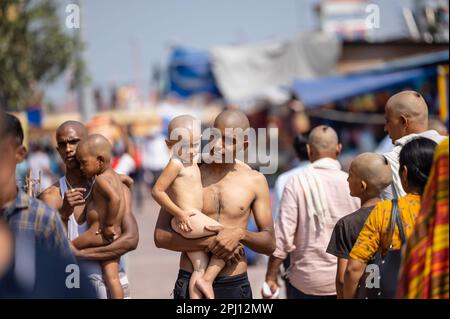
190, 73
314, 93
258, 70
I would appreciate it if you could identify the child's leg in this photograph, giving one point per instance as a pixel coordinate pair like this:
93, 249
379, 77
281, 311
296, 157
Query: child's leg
89, 238
198, 223
202, 284
205, 284
199, 260
110, 269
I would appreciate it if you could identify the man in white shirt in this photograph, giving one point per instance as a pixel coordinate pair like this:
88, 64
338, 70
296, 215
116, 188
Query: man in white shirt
300, 143
406, 116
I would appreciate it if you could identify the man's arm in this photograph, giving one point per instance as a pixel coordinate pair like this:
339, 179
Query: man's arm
340, 274
263, 241
354, 272
273, 269
286, 226
128, 241
165, 237
51, 197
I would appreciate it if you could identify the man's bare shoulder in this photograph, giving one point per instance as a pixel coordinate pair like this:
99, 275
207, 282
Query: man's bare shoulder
257, 177
52, 196
53, 190
250, 174
243, 165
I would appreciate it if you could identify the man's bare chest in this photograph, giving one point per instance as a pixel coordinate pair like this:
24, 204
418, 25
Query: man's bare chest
227, 199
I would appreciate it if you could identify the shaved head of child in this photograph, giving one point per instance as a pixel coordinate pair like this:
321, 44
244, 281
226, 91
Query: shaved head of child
184, 137
94, 154
369, 175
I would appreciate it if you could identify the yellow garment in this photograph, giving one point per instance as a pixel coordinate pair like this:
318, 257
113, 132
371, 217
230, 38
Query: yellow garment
376, 229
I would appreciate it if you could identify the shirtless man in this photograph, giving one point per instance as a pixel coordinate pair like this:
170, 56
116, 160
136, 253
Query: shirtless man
71, 205
231, 192
179, 192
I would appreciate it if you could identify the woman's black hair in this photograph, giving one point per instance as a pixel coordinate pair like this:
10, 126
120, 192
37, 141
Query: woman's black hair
417, 155
300, 143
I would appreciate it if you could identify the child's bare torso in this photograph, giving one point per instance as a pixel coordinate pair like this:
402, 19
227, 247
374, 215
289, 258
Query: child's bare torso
186, 190
97, 208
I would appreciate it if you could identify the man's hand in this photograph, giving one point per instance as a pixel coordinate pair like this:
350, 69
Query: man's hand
225, 243
108, 233
72, 198
273, 285
236, 256
127, 180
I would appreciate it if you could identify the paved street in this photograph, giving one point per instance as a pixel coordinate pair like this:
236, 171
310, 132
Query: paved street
152, 271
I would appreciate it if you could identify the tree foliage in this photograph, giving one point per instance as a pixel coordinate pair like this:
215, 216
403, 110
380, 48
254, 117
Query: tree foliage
34, 47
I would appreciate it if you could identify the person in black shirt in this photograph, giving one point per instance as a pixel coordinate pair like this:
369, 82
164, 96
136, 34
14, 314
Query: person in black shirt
369, 175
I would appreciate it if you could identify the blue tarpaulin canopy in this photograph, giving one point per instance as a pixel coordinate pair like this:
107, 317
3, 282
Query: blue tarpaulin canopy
314, 93
190, 73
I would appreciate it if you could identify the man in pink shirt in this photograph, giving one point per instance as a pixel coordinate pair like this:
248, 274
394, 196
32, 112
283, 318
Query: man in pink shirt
312, 203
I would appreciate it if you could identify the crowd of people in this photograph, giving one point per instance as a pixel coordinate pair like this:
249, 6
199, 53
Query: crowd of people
380, 231
345, 234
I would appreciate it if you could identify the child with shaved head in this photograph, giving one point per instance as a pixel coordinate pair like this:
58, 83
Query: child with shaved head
369, 175
179, 191
94, 155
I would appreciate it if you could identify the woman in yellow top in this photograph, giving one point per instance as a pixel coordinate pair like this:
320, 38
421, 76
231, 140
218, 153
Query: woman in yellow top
416, 159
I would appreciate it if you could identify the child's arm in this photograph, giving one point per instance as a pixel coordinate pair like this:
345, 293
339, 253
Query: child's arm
168, 175
340, 274
113, 199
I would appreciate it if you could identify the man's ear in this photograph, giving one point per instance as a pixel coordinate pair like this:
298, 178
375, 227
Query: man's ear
21, 153
338, 149
308, 150
403, 120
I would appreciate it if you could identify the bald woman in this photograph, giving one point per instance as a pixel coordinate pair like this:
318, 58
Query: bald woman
406, 116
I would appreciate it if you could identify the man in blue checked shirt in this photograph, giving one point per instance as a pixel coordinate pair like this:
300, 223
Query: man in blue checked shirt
41, 258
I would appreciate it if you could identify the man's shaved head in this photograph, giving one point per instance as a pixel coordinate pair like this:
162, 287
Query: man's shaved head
323, 142
374, 170
78, 127
410, 104
96, 145
232, 119
406, 113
